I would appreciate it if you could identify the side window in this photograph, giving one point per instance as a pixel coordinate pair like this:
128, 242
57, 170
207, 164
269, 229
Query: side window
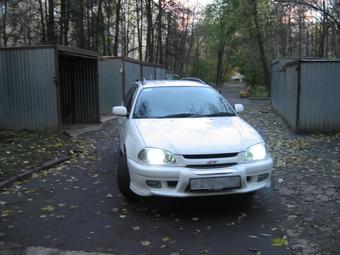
128, 98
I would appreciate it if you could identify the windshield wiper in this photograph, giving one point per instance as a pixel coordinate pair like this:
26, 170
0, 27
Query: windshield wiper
181, 115
218, 114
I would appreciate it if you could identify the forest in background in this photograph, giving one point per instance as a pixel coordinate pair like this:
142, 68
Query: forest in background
210, 42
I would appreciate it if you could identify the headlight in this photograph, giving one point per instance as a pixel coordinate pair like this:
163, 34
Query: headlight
156, 156
256, 152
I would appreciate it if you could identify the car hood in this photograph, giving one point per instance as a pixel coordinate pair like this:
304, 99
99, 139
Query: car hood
198, 135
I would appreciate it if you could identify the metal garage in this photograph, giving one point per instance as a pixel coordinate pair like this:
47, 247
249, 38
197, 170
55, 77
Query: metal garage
305, 92
44, 87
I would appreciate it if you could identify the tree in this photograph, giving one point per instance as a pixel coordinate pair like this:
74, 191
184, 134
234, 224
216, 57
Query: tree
4, 10
220, 26
50, 23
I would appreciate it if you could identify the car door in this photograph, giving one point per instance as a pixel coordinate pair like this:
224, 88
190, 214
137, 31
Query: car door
124, 122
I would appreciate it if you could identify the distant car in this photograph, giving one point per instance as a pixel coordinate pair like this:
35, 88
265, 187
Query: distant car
192, 79
182, 138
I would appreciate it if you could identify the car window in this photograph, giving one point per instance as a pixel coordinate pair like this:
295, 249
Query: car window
181, 102
128, 98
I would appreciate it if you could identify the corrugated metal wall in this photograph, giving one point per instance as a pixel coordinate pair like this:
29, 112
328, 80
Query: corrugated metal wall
290, 96
110, 84
169, 76
278, 84
316, 108
160, 73
320, 97
28, 98
112, 73
131, 74
148, 72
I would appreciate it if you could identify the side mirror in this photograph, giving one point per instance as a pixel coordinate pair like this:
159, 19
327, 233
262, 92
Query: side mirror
239, 107
119, 111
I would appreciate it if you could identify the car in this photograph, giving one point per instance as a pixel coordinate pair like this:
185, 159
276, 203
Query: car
182, 139
193, 79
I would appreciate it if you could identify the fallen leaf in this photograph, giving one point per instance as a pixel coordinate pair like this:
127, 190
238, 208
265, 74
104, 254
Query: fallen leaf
48, 209
278, 242
166, 239
145, 243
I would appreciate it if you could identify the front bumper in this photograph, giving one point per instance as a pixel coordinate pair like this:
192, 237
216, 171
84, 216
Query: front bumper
175, 180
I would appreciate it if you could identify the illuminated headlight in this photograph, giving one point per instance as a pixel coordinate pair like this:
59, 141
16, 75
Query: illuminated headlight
156, 156
256, 152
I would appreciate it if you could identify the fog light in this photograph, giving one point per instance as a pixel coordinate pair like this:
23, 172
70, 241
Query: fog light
262, 177
172, 184
153, 184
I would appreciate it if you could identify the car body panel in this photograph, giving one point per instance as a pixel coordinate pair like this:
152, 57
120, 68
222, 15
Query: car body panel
197, 135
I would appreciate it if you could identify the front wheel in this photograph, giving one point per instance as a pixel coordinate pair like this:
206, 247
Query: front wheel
123, 178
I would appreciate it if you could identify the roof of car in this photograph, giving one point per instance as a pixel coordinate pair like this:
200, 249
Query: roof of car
192, 79
172, 83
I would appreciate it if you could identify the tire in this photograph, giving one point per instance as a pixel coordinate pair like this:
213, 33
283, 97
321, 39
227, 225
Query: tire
123, 179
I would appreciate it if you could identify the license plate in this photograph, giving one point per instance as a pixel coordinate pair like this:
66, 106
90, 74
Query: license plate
215, 183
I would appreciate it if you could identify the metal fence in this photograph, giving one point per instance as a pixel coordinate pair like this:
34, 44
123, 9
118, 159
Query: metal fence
116, 75
306, 94
148, 72
110, 80
169, 76
160, 73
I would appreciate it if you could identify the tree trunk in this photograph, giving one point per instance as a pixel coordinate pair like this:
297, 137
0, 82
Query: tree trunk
117, 22
4, 10
108, 27
322, 32
167, 42
81, 30
149, 34
220, 54
42, 23
259, 40
50, 23
64, 20
159, 32
139, 12
191, 44
100, 27
90, 28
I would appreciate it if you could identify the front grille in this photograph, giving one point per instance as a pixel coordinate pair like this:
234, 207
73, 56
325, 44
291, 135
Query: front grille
205, 156
211, 166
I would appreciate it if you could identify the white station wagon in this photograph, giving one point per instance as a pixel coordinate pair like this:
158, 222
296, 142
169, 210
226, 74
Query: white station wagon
182, 138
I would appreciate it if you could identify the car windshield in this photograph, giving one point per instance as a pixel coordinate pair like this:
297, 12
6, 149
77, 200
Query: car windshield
180, 102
